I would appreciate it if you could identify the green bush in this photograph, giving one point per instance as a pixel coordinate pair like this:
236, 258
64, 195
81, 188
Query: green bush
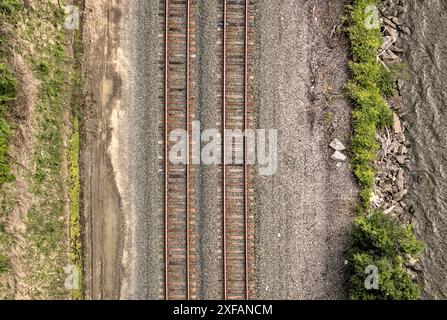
385, 83
9, 7
4, 264
380, 241
7, 87
7, 94
368, 83
375, 240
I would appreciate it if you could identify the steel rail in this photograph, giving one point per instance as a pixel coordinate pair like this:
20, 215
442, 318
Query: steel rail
224, 123
166, 287
187, 145
247, 296
187, 167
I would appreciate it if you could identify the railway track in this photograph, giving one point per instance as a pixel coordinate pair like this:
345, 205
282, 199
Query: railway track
179, 219
237, 114
178, 28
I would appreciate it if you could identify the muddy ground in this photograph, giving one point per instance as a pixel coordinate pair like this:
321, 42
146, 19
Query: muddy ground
302, 213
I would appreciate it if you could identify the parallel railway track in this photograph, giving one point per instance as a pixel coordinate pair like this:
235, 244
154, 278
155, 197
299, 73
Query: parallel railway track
178, 27
179, 214
236, 178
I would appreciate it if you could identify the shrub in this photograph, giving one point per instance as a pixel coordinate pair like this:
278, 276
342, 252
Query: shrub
369, 81
385, 83
7, 94
5, 137
4, 264
375, 240
7, 87
381, 241
8, 7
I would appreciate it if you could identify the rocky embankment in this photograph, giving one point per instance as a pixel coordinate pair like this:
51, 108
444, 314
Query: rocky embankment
393, 161
393, 158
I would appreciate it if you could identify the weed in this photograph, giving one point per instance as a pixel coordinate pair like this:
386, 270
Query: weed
376, 240
381, 241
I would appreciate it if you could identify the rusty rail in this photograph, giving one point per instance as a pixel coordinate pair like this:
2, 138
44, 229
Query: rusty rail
247, 287
178, 106
177, 102
166, 276
224, 124
235, 17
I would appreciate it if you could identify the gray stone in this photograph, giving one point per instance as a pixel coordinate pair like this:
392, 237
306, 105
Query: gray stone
396, 21
405, 29
387, 41
338, 156
403, 150
397, 125
400, 159
396, 49
389, 210
391, 32
392, 55
400, 181
337, 145
398, 210
388, 22
399, 195
401, 138
400, 84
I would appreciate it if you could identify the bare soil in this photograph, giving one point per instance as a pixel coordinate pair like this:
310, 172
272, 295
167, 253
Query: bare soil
101, 207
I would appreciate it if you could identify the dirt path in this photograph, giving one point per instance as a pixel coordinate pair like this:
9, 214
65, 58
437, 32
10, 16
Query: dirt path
100, 198
302, 212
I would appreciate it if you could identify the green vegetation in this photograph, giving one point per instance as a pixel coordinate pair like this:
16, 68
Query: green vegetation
76, 256
381, 241
4, 264
75, 189
376, 240
47, 221
328, 117
37, 35
9, 7
369, 79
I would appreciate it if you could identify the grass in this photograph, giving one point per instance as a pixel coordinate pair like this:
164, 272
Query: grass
8, 11
376, 240
46, 225
76, 257
46, 250
76, 250
9, 7
4, 264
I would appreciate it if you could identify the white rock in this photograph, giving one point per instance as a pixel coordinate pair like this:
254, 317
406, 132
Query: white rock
397, 126
337, 145
387, 41
389, 210
391, 32
338, 156
400, 181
